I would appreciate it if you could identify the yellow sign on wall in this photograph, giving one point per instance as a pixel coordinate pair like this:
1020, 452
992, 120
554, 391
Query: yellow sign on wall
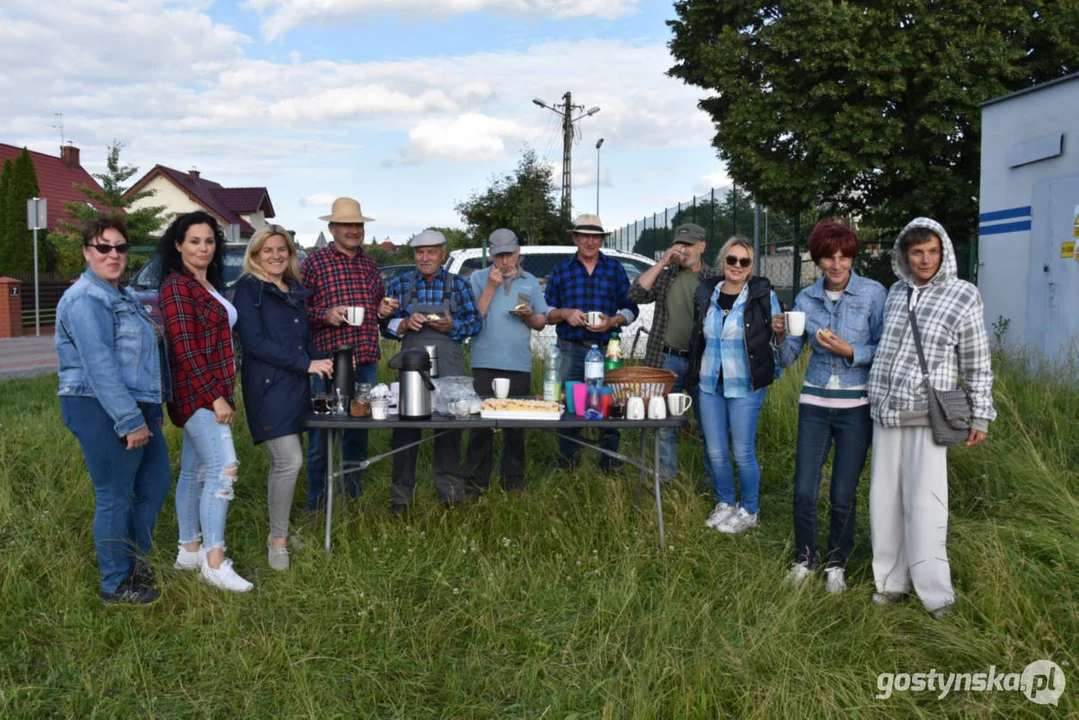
1067, 249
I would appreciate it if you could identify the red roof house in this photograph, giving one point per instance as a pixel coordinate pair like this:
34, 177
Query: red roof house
183, 192
56, 179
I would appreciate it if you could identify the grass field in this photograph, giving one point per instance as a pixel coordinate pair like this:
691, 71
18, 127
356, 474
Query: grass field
557, 604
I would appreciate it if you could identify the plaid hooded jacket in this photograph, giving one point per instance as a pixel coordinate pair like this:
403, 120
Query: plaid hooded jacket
949, 313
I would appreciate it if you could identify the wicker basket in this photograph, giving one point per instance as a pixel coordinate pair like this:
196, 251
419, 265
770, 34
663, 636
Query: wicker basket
642, 382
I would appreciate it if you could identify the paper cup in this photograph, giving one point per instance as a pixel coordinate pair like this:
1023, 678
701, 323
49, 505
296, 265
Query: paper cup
795, 322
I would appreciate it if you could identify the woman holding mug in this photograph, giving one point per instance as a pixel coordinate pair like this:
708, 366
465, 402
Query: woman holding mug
732, 360
198, 325
278, 359
112, 368
844, 315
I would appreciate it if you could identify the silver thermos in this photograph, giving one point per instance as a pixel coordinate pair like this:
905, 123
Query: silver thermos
432, 352
414, 401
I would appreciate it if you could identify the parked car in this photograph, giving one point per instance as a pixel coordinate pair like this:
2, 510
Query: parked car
540, 260
391, 272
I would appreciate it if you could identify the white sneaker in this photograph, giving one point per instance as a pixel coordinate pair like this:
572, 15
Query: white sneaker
798, 574
224, 577
835, 582
719, 513
188, 560
738, 521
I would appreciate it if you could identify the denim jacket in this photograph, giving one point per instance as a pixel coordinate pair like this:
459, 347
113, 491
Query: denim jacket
857, 317
108, 349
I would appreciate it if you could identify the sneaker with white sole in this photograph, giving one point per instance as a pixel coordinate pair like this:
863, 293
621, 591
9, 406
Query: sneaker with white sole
719, 513
835, 582
224, 577
888, 598
188, 559
799, 573
737, 522
277, 556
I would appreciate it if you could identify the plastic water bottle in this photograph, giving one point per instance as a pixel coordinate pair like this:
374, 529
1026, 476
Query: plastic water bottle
552, 384
593, 379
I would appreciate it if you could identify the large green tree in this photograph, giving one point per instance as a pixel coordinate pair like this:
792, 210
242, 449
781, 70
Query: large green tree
16, 242
869, 107
523, 201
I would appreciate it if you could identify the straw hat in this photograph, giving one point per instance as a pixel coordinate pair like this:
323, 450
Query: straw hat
346, 210
588, 225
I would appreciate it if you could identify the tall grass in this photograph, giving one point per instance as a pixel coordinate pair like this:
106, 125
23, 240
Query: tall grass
556, 604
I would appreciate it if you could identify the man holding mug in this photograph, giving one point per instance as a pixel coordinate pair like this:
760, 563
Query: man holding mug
512, 306
588, 281
670, 284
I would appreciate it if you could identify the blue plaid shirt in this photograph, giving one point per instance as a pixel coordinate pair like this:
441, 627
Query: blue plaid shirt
725, 347
606, 290
467, 320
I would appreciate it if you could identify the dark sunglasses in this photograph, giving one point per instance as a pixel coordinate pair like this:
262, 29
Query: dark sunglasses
732, 261
105, 248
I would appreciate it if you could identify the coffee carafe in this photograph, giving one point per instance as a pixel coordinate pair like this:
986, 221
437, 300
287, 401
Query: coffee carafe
342, 373
414, 375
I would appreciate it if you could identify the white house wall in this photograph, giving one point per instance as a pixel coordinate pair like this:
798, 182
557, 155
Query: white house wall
175, 200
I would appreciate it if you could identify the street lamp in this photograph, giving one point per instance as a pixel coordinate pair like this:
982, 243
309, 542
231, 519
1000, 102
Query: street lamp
599, 144
566, 111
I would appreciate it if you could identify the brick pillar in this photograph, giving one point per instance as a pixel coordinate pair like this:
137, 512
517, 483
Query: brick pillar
10, 307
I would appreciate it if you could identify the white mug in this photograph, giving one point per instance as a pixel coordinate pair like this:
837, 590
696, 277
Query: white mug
379, 409
795, 323
595, 317
354, 315
501, 386
678, 403
635, 408
657, 408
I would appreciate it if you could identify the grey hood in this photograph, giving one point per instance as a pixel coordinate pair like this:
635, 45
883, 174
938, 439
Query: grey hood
948, 266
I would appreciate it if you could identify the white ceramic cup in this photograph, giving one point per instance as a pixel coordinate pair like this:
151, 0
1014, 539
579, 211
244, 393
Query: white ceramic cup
795, 322
657, 408
501, 386
595, 317
635, 408
678, 403
354, 315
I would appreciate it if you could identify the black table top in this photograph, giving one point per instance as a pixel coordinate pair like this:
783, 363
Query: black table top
446, 422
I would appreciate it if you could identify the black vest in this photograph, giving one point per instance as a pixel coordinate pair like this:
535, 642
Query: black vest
758, 331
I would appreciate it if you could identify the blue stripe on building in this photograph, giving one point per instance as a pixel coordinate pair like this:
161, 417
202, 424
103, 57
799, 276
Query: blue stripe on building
1021, 226
1016, 212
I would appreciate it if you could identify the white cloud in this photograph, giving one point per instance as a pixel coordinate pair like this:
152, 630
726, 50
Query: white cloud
318, 200
466, 138
280, 16
718, 179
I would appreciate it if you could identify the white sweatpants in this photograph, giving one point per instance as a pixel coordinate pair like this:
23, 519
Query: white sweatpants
908, 514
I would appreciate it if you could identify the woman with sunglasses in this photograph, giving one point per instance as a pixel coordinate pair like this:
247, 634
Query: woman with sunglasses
844, 318
733, 362
198, 326
112, 369
278, 362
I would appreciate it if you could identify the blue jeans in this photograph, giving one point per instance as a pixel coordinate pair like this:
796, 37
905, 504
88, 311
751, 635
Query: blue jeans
353, 447
571, 368
852, 431
737, 416
668, 447
204, 490
129, 485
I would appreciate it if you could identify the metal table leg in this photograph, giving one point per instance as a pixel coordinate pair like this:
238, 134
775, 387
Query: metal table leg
659, 492
641, 468
331, 480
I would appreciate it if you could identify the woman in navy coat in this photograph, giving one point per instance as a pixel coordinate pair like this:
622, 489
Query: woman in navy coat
277, 362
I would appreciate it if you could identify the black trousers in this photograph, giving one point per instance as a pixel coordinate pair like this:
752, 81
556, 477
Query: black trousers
478, 459
447, 466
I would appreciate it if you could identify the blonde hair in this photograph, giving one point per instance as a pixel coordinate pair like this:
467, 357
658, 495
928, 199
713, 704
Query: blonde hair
732, 241
264, 233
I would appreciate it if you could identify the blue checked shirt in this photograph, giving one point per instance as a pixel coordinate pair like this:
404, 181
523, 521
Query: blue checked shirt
570, 287
725, 347
467, 320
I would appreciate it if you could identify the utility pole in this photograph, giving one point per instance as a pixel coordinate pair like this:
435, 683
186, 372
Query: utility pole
566, 110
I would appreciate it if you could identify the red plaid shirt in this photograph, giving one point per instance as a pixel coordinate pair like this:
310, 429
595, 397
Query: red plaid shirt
200, 346
334, 279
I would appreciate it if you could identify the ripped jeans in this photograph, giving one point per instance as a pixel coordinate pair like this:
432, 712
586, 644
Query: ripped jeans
208, 469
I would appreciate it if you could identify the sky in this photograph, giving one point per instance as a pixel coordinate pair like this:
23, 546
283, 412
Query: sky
409, 106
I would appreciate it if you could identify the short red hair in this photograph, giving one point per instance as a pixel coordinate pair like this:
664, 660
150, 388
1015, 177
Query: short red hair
830, 236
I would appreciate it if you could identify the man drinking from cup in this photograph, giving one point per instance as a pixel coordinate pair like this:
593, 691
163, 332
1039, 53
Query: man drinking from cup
588, 281
345, 303
670, 284
512, 306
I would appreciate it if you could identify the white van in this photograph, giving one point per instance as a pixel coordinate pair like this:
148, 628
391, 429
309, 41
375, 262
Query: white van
540, 260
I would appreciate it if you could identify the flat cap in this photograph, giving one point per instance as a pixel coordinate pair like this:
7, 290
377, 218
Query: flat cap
428, 238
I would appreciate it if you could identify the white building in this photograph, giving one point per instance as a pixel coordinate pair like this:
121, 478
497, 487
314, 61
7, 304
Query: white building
1029, 216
